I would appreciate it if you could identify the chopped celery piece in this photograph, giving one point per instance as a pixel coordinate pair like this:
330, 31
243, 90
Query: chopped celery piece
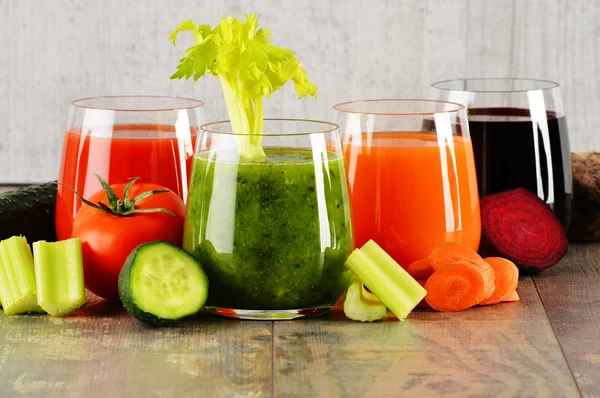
367, 296
386, 279
359, 309
17, 277
59, 276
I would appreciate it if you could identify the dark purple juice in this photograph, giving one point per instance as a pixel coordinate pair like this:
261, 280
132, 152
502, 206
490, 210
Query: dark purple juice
512, 150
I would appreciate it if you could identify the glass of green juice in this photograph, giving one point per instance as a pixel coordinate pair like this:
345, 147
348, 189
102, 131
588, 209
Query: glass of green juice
272, 234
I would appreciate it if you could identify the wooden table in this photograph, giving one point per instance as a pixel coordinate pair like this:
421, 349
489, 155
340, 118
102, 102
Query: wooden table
545, 345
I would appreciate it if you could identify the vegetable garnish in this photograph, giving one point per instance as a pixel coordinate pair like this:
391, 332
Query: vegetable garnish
17, 277
248, 67
514, 296
361, 305
455, 287
462, 279
521, 227
450, 253
59, 276
161, 283
108, 237
507, 278
123, 207
420, 269
383, 276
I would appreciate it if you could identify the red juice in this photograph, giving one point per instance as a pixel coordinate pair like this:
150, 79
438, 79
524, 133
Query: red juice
156, 153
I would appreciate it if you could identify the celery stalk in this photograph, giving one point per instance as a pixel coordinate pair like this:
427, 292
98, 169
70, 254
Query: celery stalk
357, 308
17, 277
59, 276
396, 289
249, 69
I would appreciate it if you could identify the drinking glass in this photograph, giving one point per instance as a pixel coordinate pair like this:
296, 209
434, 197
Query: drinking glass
120, 138
411, 174
520, 137
272, 235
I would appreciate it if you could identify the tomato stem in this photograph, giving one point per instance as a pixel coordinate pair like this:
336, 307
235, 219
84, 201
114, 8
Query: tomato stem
123, 207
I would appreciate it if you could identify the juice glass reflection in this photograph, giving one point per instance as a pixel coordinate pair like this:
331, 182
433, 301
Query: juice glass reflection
411, 175
120, 138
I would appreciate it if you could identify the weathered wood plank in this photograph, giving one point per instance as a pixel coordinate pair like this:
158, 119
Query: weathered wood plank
571, 295
100, 351
503, 350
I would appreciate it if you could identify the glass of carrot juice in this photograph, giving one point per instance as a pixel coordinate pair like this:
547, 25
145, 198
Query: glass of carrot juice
411, 175
120, 138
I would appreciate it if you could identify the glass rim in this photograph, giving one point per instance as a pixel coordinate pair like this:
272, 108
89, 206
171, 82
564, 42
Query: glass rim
339, 107
206, 127
549, 84
194, 103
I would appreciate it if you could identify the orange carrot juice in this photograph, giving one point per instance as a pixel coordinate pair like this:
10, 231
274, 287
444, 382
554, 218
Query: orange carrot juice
412, 191
155, 153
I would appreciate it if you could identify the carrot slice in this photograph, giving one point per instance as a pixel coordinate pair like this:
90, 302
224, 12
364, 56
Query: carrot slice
514, 296
420, 269
422, 303
450, 253
507, 277
455, 287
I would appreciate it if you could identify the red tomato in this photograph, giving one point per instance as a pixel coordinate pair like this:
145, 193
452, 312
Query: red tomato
107, 240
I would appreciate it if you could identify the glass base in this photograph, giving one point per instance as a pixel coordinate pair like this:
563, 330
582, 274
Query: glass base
268, 315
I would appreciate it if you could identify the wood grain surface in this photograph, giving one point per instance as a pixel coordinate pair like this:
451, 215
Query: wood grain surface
55, 51
532, 348
571, 297
507, 350
100, 351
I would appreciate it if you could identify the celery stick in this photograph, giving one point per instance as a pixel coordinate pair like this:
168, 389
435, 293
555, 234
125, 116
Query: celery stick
59, 276
17, 277
359, 309
248, 67
386, 279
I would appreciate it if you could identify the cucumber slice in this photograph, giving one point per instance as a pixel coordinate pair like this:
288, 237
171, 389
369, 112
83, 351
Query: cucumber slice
17, 277
161, 283
59, 276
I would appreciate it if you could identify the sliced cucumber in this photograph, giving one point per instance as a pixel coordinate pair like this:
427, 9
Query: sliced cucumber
161, 283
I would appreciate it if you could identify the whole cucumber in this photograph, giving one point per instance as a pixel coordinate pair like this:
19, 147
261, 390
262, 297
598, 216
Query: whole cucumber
29, 212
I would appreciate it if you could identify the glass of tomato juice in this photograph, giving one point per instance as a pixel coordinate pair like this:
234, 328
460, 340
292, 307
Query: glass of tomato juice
411, 174
120, 138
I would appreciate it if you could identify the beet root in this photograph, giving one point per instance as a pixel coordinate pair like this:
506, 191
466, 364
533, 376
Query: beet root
519, 226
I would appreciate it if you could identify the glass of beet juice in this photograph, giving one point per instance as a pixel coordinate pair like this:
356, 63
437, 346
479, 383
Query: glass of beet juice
411, 175
519, 137
272, 233
120, 138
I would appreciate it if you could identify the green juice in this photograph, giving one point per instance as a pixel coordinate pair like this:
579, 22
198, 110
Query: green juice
270, 235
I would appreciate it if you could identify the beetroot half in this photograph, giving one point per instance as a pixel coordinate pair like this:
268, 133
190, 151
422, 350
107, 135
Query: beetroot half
519, 226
